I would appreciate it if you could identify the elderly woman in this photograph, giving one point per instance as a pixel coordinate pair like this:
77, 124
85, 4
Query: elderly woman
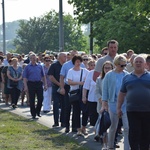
15, 83
110, 89
73, 78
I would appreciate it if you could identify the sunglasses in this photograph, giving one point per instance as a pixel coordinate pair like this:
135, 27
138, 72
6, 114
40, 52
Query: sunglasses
85, 59
123, 65
47, 60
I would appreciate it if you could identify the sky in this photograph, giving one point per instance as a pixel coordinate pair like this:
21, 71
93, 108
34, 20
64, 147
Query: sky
24, 9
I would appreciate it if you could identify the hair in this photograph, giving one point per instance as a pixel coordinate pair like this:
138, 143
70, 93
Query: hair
91, 61
112, 42
103, 73
14, 58
32, 54
139, 56
148, 58
76, 57
119, 58
1, 58
103, 49
130, 50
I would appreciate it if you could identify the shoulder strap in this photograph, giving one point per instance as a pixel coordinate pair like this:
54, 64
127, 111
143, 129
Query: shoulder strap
81, 75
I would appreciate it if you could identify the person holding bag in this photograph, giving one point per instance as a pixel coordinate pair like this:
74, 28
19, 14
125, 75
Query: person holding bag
15, 83
76, 77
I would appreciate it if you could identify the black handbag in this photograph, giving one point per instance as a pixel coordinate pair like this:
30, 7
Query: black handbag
14, 83
75, 95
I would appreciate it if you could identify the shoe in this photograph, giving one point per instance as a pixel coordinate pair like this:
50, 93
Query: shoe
97, 138
44, 111
55, 125
84, 132
79, 133
39, 115
13, 106
33, 117
67, 130
117, 146
74, 130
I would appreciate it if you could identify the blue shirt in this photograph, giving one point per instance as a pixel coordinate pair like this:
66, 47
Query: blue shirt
113, 105
137, 91
66, 67
33, 72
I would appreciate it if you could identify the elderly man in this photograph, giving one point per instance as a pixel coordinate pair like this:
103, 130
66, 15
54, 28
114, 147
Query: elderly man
54, 73
33, 76
136, 88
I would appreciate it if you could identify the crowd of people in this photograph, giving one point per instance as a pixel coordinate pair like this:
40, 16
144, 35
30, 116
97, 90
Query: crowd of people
118, 84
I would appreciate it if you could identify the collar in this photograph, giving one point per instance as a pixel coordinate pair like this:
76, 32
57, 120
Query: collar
32, 64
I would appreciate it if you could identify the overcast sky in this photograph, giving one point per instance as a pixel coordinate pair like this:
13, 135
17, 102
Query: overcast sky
24, 9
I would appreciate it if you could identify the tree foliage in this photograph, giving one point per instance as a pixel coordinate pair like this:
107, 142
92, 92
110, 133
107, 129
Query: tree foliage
42, 33
126, 21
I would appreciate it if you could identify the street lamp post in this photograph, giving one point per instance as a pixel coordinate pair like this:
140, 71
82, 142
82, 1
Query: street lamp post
3, 15
61, 31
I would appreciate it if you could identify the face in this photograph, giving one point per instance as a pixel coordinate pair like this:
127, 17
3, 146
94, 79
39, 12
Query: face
73, 53
14, 62
63, 58
33, 59
77, 63
107, 67
91, 66
113, 48
105, 52
121, 66
47, 61
85, 60
139, 64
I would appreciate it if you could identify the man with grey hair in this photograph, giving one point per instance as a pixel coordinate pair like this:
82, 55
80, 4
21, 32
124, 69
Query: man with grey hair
54, 73
136, 88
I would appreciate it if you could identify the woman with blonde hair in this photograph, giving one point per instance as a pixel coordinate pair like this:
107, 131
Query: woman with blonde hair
110, 90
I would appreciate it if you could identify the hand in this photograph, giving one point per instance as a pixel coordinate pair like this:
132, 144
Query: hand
81, 83
84, 100
119, 113
104, 108
25, 89
45, 87
62, 91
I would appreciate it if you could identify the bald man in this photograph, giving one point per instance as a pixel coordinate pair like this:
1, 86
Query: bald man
136, 88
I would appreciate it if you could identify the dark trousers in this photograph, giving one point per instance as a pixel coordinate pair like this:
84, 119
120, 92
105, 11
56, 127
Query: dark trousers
35, 88
77, 108
92, 106
15, 93
57, 103
67, 106
139, 130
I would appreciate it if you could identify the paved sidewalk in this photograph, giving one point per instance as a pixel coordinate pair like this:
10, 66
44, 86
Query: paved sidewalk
47, 120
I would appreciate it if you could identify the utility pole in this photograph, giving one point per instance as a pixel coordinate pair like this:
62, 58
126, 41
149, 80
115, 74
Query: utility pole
4, 38
91, 38
61, 31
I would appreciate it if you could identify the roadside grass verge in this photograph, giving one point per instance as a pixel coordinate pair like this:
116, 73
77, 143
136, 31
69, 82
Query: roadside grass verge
18, 133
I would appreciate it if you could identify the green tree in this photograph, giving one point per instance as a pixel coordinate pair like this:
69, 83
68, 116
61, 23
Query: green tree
41, 33
129, 24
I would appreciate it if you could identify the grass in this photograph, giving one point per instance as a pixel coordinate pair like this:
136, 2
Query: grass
18, 133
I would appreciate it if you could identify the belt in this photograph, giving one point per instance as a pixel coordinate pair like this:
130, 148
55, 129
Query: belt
34, 81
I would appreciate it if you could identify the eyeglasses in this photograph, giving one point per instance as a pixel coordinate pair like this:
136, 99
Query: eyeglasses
47, 60
105, 53
123, 65
85, 59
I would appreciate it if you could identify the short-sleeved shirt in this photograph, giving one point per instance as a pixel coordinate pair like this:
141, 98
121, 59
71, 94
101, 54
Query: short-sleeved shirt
75, 76
101, 61
137, 91
33, 72
90, 85
66, 67
54, 70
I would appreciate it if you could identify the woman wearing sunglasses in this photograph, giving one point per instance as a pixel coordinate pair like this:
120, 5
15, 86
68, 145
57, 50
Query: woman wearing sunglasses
110, 90
48, 93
